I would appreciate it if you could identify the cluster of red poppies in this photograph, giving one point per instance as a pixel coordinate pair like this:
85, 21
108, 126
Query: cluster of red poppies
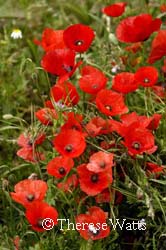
80, 160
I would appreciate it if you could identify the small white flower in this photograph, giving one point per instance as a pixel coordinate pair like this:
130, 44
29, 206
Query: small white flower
16, 34
115, 69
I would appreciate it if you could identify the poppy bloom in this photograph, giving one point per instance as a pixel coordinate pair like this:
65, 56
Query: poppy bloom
70, 184
152, 168
164, 68
124, 82
154, 122
60, 166
28, 191
134, 120
134, 47
139, 140
51, 40
78, 37
70, 142
93, 183
27, 139
162, 7
92, 225
65, 92
110, 103
16, 242
28, 142
97, 126
160, 91
29, 154
114, 10
100, 162
92, 80
59, 62
137, 28
37, 212
46, 116
73, 122
158, 48
106, 196
146, 76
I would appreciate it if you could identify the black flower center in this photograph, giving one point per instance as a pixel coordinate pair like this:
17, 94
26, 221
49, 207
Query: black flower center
67, 68
78, 42
69, 148
40, 223
30, 197
94, 178
62, 170
136, 145
30, 143
75, 127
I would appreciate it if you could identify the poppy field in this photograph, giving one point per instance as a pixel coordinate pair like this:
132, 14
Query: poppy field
83, 125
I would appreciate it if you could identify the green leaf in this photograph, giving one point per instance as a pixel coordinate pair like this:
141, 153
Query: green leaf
162, 182
80, 12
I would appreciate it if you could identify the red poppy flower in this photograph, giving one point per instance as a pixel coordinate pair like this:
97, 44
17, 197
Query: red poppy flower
60, 166
160, 92
70, 184
29, 154
146, 76
142, 120
154, 122
93, 183
28, 191
78, 37
70, 142
164, 68
51, 40
137, 28
124, 82
163, 7
59, 62
114, 10
100, 162
73, 121
139, 140
158, 49
92, 80
107, 145
37, 212
97, 126
49, 104
92, 225
106, 196
16, 242
46, 116
152, 168
28, 143
134, 47
66, 93
110, 103
27, 139
134, 120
